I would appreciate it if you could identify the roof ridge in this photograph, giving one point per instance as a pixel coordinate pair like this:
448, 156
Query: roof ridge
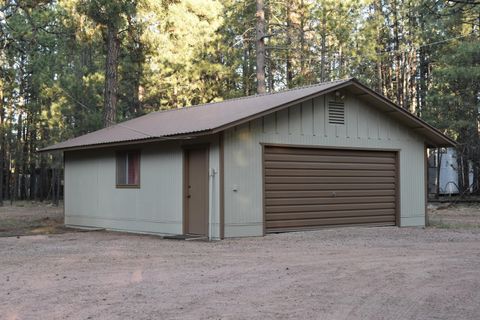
244, 97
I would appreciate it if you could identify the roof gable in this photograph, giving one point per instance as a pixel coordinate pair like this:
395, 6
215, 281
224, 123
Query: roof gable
216, 117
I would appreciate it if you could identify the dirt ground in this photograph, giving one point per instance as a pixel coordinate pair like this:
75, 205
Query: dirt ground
347, 273
28, 218
454, 216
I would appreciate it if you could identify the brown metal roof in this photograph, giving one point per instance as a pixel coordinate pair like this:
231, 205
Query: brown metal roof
215, 117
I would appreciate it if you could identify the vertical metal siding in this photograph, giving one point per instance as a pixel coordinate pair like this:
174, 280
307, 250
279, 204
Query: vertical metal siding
214, 185
156, 207
365, 127
93, 199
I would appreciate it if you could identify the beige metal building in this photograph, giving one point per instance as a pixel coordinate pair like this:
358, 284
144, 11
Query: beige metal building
332, 154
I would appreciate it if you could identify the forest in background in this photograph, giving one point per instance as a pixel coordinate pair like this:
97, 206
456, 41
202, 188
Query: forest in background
69, 67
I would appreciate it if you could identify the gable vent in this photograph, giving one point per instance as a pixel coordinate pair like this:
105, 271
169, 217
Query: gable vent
336, 112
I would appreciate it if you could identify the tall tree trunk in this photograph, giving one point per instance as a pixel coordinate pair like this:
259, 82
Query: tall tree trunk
59, 179
251, 68
245, 70
289, 49
271, 77
379, 73
323, 40
303, 51
7, 160
422, 87
376, 5
270, 64
42, 178
8, 184
2, 147
412, 79
260, 47
462, 163
398, 55
111, 76
32, 166
52, 186
18, 161
24, 157
271, 71
2, 155
439, 172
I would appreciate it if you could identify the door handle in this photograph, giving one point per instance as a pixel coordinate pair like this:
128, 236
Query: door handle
189, 196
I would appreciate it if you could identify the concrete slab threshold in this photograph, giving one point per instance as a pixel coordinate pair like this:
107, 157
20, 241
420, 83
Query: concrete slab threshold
187, 237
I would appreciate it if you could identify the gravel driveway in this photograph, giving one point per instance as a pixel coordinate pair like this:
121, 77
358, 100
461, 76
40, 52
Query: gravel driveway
349, 273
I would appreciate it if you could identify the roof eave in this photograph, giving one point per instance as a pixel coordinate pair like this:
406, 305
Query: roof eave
126, 143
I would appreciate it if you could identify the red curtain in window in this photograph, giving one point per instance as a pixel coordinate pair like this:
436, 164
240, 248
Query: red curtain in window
134, 168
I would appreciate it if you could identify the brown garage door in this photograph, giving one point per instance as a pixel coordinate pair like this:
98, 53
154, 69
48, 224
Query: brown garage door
308, 188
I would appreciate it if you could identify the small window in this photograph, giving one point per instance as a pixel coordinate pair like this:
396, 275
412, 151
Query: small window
128, 169
336, 112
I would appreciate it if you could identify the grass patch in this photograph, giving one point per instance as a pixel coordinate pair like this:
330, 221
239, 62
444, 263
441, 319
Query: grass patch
441, 224
12, 224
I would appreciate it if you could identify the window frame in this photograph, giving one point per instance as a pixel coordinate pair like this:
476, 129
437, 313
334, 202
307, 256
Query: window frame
118, 157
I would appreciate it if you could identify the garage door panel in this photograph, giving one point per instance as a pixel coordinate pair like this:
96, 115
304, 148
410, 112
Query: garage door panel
349, 180
327, 194
328, 159
389, 220
323, 226
307, 188
329, 166
329, 152
329, 186
330, 207
339, 200
329, 214
328, 173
